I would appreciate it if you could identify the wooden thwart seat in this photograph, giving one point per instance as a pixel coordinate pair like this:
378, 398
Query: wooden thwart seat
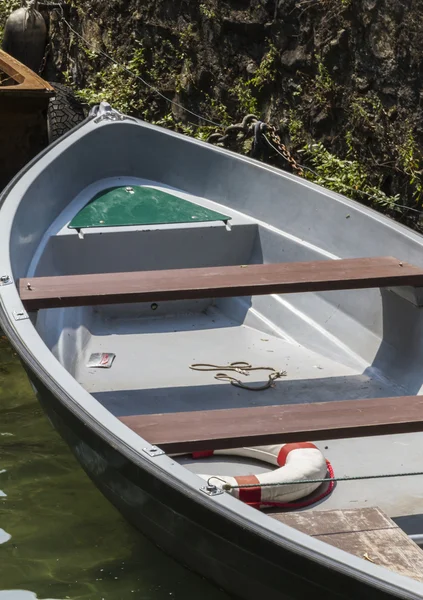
233, 428
366, 532
214, 282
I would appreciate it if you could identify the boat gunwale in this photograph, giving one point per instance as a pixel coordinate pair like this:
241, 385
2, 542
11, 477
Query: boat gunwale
117, 434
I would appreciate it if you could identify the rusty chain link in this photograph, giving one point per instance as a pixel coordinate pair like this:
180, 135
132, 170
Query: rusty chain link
252, 126
275, 138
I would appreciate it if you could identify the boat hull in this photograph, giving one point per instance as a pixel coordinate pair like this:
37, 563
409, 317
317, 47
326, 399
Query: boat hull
239, 549
242, 563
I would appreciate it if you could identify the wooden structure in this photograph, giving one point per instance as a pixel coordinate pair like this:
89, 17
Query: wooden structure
365, 532
217, 282
231, 428
24, 100
237, 427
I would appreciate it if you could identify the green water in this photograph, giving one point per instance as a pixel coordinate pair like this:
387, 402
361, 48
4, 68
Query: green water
66, 540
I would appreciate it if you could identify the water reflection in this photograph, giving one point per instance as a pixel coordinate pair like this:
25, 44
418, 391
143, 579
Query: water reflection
59, 537
18, 595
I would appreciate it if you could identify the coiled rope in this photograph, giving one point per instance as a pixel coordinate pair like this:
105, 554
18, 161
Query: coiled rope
243, 368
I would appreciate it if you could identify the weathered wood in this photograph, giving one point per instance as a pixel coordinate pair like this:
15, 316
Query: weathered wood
21, 80
365, 532
232, 428
24, 99
213, 282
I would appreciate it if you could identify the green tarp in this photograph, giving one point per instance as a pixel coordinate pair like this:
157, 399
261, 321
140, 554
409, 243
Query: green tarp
119, 206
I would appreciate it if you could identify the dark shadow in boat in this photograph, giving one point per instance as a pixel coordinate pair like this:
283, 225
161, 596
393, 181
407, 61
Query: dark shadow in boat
310, 498
399, 355
180, 320
411, 524
219, 396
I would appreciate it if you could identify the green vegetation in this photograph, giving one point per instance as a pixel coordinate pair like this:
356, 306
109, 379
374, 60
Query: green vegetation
246, 91
187, 38
207, 12
241, 91
6, 7
266, 72
113, 83
367, 111
296, 128
324, 85
367, 148
397, 144
348, 177
217, 111
410, 159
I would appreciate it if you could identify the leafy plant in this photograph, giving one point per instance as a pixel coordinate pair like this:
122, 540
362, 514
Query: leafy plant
323, 84
112, 85
247, 102
245, 90
207, 12
218, 111
411, 162
6, 8
347, 177
296, 128
266, 71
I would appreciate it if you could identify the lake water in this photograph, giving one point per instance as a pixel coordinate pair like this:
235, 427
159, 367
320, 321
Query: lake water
59, 538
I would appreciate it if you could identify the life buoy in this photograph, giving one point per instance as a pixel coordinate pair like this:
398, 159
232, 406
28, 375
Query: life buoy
296, 462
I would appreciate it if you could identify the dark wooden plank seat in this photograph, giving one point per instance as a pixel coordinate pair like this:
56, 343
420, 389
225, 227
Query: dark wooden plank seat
362, 532
213, 282
232, 428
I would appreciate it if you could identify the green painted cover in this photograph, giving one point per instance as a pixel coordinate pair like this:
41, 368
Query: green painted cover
119, 206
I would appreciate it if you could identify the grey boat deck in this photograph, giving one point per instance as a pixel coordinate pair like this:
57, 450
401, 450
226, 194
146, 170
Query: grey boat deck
150, 349
326, 342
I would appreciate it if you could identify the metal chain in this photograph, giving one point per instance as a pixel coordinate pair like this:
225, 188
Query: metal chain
274, 136
246, 128
44, 61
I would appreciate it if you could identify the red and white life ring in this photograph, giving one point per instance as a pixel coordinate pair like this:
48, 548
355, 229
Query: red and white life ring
296, 462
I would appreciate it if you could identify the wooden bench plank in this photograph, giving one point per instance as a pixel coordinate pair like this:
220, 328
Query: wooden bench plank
236, 427
213, 282
366, 532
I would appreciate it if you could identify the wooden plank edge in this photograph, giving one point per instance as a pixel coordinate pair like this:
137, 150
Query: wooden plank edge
216, 442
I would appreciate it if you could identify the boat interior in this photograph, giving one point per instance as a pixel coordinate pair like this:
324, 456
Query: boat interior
328, 341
